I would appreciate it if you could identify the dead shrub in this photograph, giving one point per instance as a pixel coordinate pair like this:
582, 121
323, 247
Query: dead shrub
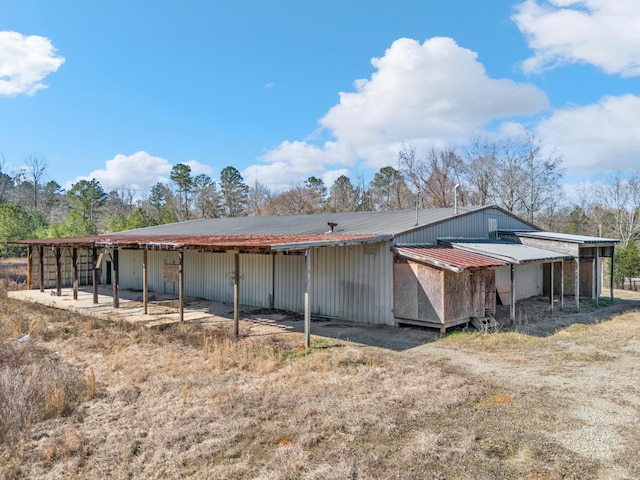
34, 385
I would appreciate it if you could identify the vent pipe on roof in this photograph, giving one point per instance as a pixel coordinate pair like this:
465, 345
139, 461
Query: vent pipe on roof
455, 198
331, 226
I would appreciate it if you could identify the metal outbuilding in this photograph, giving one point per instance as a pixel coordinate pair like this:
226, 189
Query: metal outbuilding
338, 265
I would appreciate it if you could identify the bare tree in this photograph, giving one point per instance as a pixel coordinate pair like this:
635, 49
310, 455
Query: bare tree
620, 195
33, 175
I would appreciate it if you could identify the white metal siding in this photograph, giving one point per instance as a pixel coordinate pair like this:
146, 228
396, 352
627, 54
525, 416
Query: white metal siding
352, 285
289, 282
528, 279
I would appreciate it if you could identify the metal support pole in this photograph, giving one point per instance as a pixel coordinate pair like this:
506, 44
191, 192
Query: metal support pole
307, 303
562, 284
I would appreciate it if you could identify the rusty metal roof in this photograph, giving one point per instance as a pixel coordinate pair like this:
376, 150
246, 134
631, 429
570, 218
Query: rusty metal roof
274, 242
448, 257
514, 253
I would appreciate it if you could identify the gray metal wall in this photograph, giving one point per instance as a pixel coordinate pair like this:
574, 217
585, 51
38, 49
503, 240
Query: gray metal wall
475, 225
350, 282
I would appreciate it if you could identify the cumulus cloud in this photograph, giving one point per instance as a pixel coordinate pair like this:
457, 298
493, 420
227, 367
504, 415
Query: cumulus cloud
434, 93
138, 171
593, 138
604, 33
24, 62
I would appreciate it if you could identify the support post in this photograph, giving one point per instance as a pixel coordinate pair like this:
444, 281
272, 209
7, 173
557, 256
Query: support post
29, 267
236, 294
58, 255
594, 278
115, 280
181, 283
145, 281
307, 303
611, 274
74, 271
577, 283
551, 283
512, 307
94, 275
41, 279
562, 284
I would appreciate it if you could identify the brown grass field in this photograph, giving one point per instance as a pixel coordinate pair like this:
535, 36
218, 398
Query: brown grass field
89, 399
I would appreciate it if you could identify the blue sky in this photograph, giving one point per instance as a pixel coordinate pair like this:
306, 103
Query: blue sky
123, 90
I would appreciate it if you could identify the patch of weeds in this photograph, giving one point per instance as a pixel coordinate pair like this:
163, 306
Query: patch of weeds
137, 448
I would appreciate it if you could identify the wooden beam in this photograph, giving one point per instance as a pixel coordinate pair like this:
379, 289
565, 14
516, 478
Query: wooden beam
611, 277
181, 283
562, 284
58, 255
74, 271
551, 293
94, 275
307, 302
236, 294
115, 280
577, 282
145, 281
41, 279
512, 307
29, 267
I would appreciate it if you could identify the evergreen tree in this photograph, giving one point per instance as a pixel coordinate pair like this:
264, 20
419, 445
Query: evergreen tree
235, 193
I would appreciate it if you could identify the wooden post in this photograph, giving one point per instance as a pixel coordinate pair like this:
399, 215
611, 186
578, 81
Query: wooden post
181, 283
115, 280
307, 302
236, 294
594, 278
611, 274
94, 275
58, 255
512, 307
145, 281
551, 283
577, 283
41, 279
29, 267
562, 284
74, 271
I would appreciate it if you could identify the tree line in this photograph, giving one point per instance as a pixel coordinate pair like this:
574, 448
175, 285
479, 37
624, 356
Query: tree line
517, 174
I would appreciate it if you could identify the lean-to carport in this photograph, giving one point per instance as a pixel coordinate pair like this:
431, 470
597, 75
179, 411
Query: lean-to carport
513, 254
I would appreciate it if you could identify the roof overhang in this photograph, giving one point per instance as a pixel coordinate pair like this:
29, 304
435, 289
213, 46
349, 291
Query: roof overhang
448, 258
513, 253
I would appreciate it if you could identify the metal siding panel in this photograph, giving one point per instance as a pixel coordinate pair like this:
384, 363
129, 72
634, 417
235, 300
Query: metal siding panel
289, 283
352, 285
209, 275
130, 264
255, 279
528, 279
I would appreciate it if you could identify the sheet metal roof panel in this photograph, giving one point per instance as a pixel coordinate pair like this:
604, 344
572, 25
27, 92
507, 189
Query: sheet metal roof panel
370, 223
230, 241
448, 257
566, 237
510, 252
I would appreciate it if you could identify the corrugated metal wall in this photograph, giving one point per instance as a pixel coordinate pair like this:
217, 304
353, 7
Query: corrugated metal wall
475, 225
354, 283
528, 279
351, 282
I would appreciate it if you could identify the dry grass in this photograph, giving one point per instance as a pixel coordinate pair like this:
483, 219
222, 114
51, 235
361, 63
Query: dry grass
193, 402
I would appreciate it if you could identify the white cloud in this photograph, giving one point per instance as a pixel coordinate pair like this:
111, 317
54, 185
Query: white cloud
599, 137
434, 94
139, 171
604, 33
24, 62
